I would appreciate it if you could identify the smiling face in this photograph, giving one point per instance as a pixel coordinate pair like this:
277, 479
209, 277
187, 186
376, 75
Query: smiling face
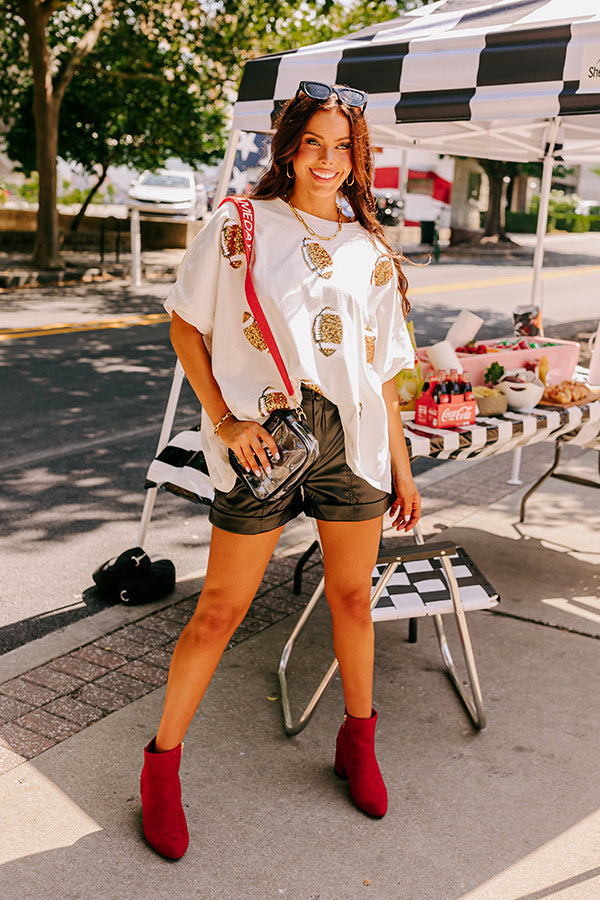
322, 162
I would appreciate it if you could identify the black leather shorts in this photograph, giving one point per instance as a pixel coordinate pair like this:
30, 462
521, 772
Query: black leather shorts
330, 491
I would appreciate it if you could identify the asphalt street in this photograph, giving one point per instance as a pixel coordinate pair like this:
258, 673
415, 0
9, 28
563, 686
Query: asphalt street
82, 405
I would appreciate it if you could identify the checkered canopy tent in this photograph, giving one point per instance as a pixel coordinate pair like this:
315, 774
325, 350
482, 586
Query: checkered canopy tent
499, 80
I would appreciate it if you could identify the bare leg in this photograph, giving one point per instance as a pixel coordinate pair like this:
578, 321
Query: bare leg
349, 554
236, 565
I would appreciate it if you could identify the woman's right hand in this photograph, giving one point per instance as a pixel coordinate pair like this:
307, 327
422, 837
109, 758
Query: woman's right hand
249, 440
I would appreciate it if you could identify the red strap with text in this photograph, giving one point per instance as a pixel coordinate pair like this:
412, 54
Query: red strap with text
246, 214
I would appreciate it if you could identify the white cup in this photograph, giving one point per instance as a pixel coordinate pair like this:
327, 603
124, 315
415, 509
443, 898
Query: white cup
464, 328
443, 356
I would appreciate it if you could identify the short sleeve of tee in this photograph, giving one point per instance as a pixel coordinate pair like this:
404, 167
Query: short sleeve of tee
394, 350
194, 295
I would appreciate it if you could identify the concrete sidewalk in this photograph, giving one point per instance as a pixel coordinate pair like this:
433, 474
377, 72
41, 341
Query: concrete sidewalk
506, 814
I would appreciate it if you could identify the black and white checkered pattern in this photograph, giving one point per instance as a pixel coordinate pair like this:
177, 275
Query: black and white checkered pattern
480, 82
419, 588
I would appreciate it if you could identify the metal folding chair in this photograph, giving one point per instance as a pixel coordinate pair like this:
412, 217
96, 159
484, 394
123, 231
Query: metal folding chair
420, 580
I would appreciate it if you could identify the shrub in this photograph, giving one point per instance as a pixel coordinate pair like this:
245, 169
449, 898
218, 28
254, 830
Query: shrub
574, 223
521, 222
559, 203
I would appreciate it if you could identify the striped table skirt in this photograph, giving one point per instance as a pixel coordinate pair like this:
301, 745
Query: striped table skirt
181, 468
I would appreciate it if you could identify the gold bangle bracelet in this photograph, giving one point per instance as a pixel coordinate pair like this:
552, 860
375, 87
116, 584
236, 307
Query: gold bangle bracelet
224, 418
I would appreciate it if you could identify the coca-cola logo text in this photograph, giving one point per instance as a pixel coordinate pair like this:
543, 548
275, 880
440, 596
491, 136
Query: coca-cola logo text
457, 415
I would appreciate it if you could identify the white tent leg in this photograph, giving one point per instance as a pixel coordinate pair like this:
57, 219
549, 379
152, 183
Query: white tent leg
165, 433
178, 374
228, 162
136, 248
403, 184
542, 221
516, 467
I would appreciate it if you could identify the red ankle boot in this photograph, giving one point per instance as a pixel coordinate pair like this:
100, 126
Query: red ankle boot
163, 817
355, 760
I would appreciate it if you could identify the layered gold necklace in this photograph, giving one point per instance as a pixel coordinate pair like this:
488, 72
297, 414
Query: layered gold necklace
316, 257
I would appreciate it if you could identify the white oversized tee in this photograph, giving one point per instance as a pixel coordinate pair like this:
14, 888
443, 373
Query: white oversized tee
335, 312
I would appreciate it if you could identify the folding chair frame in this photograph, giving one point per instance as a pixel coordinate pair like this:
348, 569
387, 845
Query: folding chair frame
441, 550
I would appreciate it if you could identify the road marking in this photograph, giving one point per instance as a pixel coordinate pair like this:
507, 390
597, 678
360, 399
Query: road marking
14, 334
505, 279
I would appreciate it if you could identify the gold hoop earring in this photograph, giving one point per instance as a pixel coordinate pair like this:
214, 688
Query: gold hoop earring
287, 170
350, 183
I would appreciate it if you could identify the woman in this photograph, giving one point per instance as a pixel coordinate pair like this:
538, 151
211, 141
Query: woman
335, 298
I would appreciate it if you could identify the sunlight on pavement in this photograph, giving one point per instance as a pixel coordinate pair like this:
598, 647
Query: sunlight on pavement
37, 816
571, 606
565, 867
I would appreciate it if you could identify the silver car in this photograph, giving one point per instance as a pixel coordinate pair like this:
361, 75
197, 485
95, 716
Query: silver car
168, 192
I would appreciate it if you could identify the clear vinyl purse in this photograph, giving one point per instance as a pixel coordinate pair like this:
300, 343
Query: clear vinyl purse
297, 445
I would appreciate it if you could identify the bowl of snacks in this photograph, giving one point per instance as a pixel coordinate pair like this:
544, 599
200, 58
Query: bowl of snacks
523, 389
490, 401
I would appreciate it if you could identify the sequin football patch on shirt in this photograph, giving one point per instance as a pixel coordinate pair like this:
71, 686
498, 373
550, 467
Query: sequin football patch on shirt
253, 332
383, 271
232, 244
317, 258
327, 331
270, 400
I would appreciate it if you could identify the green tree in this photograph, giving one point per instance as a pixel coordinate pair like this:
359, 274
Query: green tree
171, 47
54, 51
126, 106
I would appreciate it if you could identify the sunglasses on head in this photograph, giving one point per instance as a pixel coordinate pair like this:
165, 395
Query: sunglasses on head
316, 90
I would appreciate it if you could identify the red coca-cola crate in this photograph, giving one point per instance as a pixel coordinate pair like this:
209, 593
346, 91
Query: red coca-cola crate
453, 414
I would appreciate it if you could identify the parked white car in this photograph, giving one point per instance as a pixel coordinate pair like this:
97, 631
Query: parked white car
168, 192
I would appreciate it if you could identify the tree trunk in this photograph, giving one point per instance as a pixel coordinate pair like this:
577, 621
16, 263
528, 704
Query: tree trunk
46, 253
94, 190
494, 218
45, 110
47, 96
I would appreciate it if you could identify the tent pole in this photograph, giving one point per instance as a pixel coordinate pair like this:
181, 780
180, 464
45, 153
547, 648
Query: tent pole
228, 161
542, 221
163, 440
403, 184
178, 374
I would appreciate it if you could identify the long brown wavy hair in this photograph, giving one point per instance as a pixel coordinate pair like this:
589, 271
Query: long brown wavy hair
290, 127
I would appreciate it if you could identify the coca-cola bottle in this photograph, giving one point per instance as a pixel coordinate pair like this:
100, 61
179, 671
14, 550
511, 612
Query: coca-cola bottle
466, 387
440, 391
452, 383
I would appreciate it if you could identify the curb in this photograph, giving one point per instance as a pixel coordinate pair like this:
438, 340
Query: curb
19, 279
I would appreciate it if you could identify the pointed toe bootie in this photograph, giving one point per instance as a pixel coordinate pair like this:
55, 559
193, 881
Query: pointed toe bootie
163, 817
355, 760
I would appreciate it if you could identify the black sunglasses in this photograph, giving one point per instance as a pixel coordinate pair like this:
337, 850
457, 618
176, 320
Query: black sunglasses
316, 90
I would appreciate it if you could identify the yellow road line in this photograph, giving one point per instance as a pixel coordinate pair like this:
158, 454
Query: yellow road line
505, 279
13, 334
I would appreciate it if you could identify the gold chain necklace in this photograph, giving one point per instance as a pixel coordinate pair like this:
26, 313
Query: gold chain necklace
310, 230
